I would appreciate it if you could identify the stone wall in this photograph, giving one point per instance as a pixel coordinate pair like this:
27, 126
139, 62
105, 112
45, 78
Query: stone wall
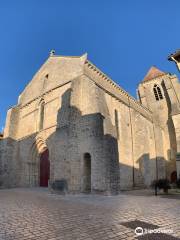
136, 153
9, 163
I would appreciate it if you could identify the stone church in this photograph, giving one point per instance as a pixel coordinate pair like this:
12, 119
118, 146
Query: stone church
73, 123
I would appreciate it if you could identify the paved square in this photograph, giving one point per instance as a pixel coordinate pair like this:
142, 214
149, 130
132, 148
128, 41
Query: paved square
37, 214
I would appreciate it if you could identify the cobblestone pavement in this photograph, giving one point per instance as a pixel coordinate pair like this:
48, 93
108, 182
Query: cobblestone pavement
37, 214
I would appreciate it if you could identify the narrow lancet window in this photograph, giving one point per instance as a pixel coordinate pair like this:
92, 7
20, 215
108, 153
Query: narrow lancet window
157, 92
116, 122
41, 115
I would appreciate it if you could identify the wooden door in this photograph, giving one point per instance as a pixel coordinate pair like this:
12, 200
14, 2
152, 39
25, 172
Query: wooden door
44, 168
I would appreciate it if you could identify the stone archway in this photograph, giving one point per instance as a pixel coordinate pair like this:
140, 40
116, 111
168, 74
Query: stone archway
39, 164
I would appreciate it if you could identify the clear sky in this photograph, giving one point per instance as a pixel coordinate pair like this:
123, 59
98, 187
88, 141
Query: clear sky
124, 38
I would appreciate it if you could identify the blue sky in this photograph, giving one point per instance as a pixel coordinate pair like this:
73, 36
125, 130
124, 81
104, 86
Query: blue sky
124, 38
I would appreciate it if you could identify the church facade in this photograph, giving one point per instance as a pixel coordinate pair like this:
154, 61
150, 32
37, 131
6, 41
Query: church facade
73, 123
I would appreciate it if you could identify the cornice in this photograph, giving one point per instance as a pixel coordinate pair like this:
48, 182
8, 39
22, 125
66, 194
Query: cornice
126, 98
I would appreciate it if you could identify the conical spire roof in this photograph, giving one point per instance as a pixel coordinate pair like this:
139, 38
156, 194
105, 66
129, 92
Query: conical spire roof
153, 72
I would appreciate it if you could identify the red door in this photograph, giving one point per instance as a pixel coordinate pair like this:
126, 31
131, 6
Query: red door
44, 168
173, 177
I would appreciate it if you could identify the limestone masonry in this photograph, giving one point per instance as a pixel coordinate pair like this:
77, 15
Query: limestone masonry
74, 125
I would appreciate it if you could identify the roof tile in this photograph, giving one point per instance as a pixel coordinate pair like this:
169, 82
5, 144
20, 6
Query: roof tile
153, 72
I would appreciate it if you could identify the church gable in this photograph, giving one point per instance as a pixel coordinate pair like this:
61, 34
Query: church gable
56, 71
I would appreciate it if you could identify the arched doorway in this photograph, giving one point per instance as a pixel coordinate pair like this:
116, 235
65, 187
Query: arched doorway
87, 172
44, 168
173, 177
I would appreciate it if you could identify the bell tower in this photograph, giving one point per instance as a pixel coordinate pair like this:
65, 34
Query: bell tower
153, 96
157, 93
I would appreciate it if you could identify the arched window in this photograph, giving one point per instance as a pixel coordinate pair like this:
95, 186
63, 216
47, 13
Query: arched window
41, 114
157, 92
45, 81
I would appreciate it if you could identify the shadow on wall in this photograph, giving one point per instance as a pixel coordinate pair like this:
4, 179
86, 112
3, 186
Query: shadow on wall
76, 137
171, 153
149, 170
15, 173
9, 164
146, 171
